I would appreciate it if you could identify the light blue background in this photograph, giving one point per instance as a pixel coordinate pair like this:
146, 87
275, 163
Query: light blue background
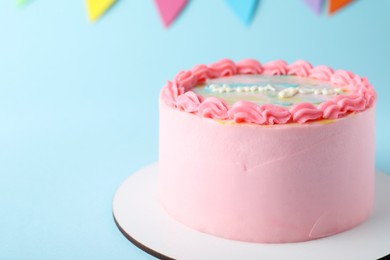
78, 101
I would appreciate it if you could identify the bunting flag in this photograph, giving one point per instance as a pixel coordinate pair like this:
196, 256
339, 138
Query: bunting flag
96, 8
170, 9
336, 5
244, 9
21, 3
315, 5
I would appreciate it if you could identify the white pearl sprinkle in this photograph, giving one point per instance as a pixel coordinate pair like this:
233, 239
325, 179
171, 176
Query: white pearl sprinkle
270, 87
247, 89
306, 90
254, 88
214, 86
327, 91
239, 89
338, 90
288, 92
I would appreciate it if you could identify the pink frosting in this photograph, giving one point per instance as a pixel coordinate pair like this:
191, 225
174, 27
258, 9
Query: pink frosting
223, 68
202, 72
367, 91
277, 67
369, 94
351, 103
213, 107
342, 78
362, 94
245, 111
285, 183
321, 72
299, 68
249, 66
185, 80
188, 102
330, 109
275, 114
304, 112
169, 93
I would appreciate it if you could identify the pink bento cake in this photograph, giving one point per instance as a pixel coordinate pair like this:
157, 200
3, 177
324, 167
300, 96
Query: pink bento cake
268, 153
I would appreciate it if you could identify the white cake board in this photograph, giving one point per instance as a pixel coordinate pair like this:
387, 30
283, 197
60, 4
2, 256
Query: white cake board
143, 221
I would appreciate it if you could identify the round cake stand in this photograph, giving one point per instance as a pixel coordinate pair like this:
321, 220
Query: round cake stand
142, 220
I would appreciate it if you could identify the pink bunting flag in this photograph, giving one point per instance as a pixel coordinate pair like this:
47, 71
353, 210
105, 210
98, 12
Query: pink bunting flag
315, 5
170, 9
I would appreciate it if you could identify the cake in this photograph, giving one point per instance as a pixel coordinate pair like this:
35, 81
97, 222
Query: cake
267, 153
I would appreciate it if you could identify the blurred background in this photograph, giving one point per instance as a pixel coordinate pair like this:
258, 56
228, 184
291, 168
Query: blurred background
79, 101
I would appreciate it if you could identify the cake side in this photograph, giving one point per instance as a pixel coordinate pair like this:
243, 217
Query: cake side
270, 184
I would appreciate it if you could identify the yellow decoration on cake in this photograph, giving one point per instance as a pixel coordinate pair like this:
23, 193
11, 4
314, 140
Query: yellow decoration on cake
226, 122
96, 8
326, 121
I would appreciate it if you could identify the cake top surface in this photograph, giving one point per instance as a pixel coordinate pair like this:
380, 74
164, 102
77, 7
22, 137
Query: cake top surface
273, 93
284, 91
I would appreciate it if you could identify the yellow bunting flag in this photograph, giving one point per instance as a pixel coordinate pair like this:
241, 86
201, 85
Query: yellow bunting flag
97, 8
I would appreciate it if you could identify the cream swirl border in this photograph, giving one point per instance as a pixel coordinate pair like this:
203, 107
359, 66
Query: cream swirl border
177, 93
